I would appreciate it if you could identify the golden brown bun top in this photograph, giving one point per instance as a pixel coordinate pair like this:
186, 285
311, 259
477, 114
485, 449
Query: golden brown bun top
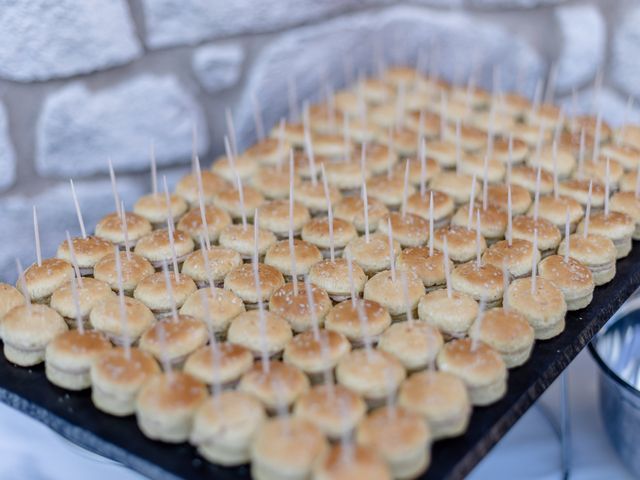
589, 124
306, 253
415, 167
393, 430
486, 277
267, 148
504, 327
498, 195
418, 261
626, 202
89, 291
351, 209
176, 331
105, 315
397, 76
242, 239
448, 181
351, 462
591, 250
157, 246
520, 251
275, 215
629, 135
525, 176
115, 368
613, 225
10, 297
153, 207
330, 401
443, 204
408, 226
570, 274
188, 189
345, 313
555, 209
317, 231
304, 346
229, 200
227, 355
133, 267
167, 393
457, 237
575, 185
546, 293
491, 218
287, 304
242, 278
191, 222
110, 227
32, 326
154, 286
288, 444
88, 251
501, 147
526, 226
436, 390
37, 276
243, 166
72, 346
483, 361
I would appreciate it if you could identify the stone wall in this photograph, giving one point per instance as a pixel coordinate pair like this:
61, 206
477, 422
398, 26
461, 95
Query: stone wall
84, 81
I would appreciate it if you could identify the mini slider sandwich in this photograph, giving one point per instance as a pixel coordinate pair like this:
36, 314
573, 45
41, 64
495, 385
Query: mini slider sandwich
344, 461
241, 282
345, 319
441, 398
160, 245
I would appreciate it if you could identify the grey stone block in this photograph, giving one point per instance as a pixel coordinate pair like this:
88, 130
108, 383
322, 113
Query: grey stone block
7, 154
625, 68
217, 66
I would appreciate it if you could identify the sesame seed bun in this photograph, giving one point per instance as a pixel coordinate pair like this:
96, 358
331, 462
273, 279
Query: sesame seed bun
331, 145
274, 216
471, 138
242, 166
241, 282
512, 103
152, 291
224, 365
373, 257
273, 181
313, 198
351, 209
343, 318
517, 257
628, 135
188, 188
525, 177
493, 221
440, 398
90, 293
432, 168
619, 227
286, 448
566, 162
555, 210
452, 316
10, 297
429, 269
400, 437
279, 257
220, 261
293, 134
345, 176
69, 356
166, 406
623, 154
116, 379
507, 332
380, 158
474, 165
629, 204
409, 230
269, 151
461, 242
479, 366
415, 345
344, 462
492, 120
483, 282
544, 309
156, 247
596, 252
26, 331
316, 356
334, 409
242, 240
316, 232
222, 305
245, 331
388, 190
153, 207
224, 427
191, 223
530, 133
571, 277
597, 172
546, 114
295, 309
498, 196
105, 317
443, 152
454, 185
370, 375
519, 150
88, 251
229, 201
277, 388
134, 268
174, 338
579, 191
549, 235
388, 292
110, 228
443, 207
42, 280
333, 277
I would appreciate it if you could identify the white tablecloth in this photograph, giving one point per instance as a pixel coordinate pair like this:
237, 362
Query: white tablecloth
531, 450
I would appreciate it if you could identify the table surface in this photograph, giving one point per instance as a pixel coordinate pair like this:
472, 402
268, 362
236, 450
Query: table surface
74, 417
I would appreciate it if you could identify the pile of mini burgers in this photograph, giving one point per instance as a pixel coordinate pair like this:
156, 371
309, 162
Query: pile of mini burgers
335, 298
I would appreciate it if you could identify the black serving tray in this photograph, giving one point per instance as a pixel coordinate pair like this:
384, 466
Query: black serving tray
74, 417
